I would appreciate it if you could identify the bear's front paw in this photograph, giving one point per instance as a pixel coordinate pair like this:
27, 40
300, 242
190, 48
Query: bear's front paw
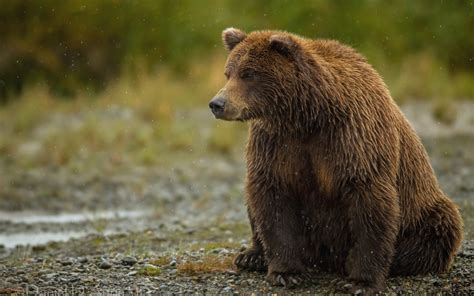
252, 260
288, 280
354, 288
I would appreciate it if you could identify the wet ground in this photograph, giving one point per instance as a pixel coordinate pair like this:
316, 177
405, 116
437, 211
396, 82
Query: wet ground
176, 228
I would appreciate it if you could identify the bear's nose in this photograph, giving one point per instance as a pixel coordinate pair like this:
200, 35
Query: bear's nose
217, 105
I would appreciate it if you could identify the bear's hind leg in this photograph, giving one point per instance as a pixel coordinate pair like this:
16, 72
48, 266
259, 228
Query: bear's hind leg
429, 248
374, 225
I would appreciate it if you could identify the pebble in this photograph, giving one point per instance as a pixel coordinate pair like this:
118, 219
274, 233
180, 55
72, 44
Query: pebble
51, 275
173, 263
129, 260
105, 265
33, 288
132, 273
466, 253
83, 260
224, 252
227, 289
67, 262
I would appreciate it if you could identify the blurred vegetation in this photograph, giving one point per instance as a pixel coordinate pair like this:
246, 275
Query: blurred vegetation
76, 48
137, 70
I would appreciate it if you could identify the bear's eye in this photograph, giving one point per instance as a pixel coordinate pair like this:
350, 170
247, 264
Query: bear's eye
227, 75
247, 74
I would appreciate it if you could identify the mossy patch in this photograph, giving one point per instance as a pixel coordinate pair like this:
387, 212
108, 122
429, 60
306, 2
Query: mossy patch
150, 270
207, 264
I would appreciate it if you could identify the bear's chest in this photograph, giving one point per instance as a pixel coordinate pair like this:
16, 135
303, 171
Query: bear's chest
291, 164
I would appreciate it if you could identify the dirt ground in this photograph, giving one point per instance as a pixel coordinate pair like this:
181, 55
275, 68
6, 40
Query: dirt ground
176, 228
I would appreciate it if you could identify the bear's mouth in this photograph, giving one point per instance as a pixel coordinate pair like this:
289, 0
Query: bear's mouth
230, 114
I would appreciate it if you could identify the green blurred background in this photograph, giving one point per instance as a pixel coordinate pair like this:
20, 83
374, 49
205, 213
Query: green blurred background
162, 61
423, 48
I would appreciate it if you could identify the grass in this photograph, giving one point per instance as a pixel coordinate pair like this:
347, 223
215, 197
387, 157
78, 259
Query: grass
145, 120
160, 261
149, 270
420, 76
207, 264
209, 246
151, 119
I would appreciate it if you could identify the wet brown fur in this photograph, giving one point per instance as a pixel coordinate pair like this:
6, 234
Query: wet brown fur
336, 176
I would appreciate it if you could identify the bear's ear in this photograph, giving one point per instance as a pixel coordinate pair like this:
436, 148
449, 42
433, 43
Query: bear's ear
284, 45
231, 37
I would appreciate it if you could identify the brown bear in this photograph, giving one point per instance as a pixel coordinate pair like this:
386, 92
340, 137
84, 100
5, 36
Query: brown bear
336, 177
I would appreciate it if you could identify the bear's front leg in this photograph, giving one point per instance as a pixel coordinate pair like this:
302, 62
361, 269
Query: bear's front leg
375, 218
253, 258
280, 228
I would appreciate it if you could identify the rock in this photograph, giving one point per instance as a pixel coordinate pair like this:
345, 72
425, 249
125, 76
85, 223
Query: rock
129, 260
51, 275
105, 265
173, 263
67, 262
466, 253
32, 289
224, 252
227, 289
83, 260
132, 273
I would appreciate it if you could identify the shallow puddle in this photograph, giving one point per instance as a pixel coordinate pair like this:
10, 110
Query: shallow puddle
16, 239
32, 217
11, 240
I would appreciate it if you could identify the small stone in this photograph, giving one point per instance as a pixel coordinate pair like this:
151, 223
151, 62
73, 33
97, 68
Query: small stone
105, 265
173, 263
129, 260
83, 260
51, 275
224, 252
132, 273
231, 272
33, 288
227, 289
67, 262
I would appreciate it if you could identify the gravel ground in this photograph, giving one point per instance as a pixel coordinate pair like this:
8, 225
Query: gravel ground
176, 229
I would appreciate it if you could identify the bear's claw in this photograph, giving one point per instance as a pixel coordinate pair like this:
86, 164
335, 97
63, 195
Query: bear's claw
287, 280
252, 260
355, 289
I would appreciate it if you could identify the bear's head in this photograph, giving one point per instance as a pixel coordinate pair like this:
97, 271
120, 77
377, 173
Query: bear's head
267, 77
